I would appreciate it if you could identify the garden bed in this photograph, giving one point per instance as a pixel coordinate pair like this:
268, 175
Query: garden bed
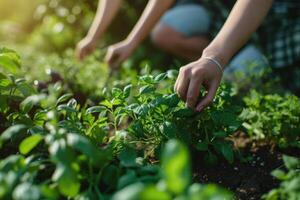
249, 180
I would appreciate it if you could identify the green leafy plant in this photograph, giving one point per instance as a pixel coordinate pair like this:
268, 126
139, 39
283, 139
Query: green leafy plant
155, 114
272, 117
54, 148
175, 182
289, 187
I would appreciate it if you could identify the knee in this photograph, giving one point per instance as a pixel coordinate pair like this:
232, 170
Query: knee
161, 37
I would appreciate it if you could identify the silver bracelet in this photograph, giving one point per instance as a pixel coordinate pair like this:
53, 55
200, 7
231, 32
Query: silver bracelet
216, 62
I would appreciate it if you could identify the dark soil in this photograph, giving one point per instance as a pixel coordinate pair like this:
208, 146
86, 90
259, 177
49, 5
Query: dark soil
248, 177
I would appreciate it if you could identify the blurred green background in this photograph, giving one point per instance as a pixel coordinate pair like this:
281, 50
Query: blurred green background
54, 25
45, 33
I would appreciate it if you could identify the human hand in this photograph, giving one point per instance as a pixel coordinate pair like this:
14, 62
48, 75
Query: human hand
85, 47
192, 77
119, 52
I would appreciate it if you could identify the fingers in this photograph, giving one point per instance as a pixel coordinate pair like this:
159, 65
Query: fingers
209, 97
82, 52
193, 91
78, 53
182, 83
112, 58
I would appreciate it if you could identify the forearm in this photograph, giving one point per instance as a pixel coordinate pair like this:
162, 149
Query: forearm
243, 20
106, 11
152, 13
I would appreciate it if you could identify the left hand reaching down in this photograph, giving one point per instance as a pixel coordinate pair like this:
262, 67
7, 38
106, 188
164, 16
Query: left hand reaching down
192, 77
118, 53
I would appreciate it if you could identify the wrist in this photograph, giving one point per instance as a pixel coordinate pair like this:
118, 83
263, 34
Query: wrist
131, 43
217, 54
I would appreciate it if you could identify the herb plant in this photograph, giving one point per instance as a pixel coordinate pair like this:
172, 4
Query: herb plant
272, 117
289, 187
54, 148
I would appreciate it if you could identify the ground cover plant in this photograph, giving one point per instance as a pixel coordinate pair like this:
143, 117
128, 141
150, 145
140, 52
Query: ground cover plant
289, 177
273, 116
53, 148
74, 129
129, 140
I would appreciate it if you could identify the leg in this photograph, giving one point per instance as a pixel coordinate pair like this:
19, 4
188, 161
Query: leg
249, 60
176, 43
182, 30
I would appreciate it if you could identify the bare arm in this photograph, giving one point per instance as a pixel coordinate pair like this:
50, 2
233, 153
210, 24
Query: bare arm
106, 11
152, 13
243, 20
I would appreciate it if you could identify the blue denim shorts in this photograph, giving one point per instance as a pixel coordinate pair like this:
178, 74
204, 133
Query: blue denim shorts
190, 19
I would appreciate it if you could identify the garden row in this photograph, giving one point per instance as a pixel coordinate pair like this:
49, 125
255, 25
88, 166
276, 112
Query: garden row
132, 143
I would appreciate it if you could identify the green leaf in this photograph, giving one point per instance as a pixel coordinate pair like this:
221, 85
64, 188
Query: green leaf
67, 180
95, 109
208, 192
279, 174
111, 175
291, 162
160, 77
49, 192
184, 112
63, 98
225, 149
11, 131
26, 191
9, 60
60, 152
12, 162
168, 129
72, 103
30, 101
107, 104
176, 166
116, 92
152, 192
147, 79
173, 100
2, 76
66, 108
225, 118
128, 157
220, 134
19, 81
128, 178
3, 103
228, 153
29, 143
131, 192
172, 73
127, 90
83, 145
5, 83
142, 110
146, 89
26, 89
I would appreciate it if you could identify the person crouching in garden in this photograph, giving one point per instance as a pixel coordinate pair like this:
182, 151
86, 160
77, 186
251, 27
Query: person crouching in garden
182, 28
282, 43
